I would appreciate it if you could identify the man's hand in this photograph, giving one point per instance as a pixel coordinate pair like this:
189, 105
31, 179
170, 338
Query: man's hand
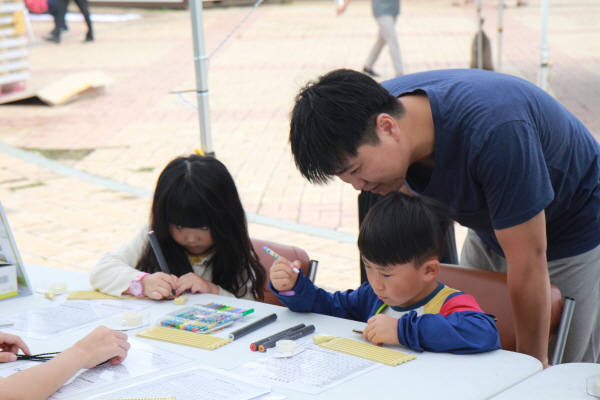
381, 329
196, 284
283, 277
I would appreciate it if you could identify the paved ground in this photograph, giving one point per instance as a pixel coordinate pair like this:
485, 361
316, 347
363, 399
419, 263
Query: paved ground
130, 132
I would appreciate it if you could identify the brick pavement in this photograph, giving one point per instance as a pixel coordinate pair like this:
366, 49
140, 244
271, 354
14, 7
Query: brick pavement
136, 127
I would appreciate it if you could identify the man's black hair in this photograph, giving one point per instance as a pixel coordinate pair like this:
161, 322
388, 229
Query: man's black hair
400, 229
332, 117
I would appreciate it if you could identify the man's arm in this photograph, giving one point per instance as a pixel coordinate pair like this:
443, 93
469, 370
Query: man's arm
524, 247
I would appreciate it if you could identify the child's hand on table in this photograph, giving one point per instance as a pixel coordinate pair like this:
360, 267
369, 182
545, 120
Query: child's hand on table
100, 345
196, 284
381, 329
10, 346
159, 285
283, 277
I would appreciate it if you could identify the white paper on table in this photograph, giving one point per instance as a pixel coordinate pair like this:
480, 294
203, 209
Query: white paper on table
48, 321
203, 383
313, 371
141, 359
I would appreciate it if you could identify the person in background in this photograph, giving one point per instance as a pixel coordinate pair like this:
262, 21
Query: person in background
59, 13
385, 12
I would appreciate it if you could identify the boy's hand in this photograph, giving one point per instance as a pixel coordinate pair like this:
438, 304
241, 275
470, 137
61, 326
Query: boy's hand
283, 277
381, 329
196, 284
10, 346
159, 285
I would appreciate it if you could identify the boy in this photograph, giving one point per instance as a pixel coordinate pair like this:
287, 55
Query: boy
400, 241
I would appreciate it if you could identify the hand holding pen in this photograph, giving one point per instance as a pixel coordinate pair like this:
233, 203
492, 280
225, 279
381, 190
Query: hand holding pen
283, 273
161, 281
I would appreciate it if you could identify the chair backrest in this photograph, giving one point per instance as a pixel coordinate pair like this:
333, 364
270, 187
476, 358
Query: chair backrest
490, 289
290, 252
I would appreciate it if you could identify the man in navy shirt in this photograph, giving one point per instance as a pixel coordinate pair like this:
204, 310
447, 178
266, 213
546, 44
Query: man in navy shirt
514, 165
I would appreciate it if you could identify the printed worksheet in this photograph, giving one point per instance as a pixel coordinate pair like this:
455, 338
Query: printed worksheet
313, 371
209, 384
141, 359
56, 319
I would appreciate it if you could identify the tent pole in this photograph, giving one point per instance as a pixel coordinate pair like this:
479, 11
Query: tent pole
201, 62
543, 76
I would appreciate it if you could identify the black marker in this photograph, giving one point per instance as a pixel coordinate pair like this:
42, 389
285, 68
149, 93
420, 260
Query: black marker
278, 335
252, 327
293, 336
160, 257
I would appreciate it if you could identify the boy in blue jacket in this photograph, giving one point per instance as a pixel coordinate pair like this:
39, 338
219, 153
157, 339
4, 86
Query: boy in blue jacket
400, 242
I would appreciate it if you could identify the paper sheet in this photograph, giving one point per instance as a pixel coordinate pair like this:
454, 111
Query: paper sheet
141, 359
210, 384
56, 319
313, 371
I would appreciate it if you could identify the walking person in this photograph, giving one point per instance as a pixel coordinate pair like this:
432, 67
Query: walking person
385, 12
59, 14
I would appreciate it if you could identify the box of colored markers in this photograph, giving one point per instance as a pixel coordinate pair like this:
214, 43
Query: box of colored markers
206, 318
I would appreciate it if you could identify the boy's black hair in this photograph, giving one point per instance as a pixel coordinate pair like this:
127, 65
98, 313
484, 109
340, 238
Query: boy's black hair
332, 117
400, 229
196, 192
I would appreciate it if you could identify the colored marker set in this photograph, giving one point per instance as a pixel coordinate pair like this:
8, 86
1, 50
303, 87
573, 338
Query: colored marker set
204, 319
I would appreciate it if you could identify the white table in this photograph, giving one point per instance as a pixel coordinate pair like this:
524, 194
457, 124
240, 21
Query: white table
560, 382
430, 376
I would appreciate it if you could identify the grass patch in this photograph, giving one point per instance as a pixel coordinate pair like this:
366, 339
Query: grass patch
63, 154
31, 185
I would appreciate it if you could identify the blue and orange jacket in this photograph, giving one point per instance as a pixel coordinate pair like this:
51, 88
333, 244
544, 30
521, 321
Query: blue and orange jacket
445, 321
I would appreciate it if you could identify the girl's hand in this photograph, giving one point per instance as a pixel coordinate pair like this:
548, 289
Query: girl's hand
159, 285
196, 284
283, 277
100, 345
381, 329
10, 346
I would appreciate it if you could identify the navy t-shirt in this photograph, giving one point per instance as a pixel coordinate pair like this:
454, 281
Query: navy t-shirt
504, 151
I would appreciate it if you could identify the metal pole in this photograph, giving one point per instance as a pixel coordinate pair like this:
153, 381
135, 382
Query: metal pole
201, 62
563, 330
500, 32
543, 76
479, 37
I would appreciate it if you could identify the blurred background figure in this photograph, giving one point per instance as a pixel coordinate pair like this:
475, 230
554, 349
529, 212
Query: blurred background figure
59, 12
385, 12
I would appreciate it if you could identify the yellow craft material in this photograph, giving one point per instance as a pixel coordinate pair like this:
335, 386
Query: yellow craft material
49, 294
180, 300
367, 351
96, 295
185, 338
58, 287
318, 339
132, 318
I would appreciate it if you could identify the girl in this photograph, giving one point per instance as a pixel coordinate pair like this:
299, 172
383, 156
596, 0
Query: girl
198, 219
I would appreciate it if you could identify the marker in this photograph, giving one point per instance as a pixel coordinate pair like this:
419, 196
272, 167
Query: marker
160, 257
276, 256
278, 335
293, 336
252, 327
